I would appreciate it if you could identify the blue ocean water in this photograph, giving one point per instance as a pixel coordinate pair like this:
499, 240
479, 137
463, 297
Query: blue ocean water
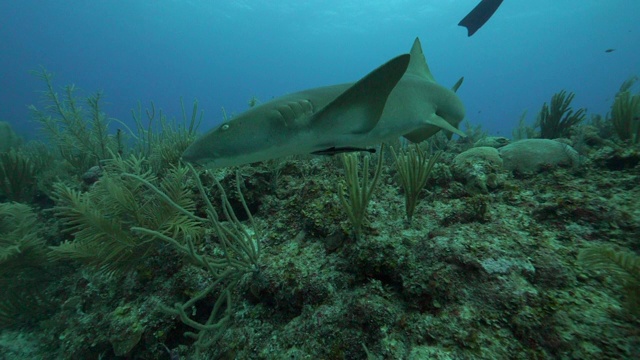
225, 52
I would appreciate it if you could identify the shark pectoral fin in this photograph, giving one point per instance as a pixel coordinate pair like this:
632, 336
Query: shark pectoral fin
358, 109
436, 120
456, 86
427, 131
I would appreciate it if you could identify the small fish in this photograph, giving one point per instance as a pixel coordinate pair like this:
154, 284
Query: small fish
610, 50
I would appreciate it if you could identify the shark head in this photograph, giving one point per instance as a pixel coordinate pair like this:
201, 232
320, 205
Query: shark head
451, 107
239, 141
452, 110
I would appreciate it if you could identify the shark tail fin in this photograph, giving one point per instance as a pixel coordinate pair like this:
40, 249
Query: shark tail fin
358, 109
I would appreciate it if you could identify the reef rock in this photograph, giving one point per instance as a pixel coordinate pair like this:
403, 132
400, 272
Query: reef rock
478, 168
492, 141
533, 155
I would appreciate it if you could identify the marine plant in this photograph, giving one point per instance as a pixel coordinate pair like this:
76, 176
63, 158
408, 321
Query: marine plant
80, 133
603, 125
557, 118
439, 141
625, 115
622, 266
161, 140
628, 84
523, 131
130, 212
414, 167
240, 252
24, 265
473, 132
101, 219
359, 190
18, 176
8, 138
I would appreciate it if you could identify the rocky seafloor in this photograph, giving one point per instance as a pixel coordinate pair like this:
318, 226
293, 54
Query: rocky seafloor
487, 269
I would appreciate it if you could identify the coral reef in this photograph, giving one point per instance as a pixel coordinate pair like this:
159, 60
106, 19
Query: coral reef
510, 254
483, 276
478, 168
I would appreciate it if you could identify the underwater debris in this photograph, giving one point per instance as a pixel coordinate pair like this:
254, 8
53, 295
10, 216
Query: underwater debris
479, 15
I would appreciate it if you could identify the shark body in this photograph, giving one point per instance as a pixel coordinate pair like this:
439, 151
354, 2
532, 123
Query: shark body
400, 98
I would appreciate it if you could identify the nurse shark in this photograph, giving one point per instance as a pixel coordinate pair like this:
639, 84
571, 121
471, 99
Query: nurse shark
400, 98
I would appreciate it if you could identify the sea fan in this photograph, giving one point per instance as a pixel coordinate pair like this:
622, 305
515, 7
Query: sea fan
622, 266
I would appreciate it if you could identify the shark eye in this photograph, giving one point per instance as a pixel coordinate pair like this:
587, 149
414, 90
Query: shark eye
224, 127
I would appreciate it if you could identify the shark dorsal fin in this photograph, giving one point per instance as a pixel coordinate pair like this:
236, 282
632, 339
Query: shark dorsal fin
418, 64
